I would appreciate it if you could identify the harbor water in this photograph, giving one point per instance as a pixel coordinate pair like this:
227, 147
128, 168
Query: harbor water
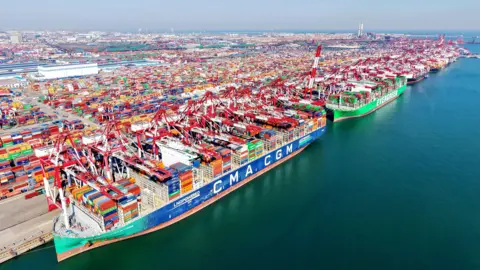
397, 189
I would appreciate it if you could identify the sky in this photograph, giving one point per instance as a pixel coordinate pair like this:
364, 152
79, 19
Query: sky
163, 15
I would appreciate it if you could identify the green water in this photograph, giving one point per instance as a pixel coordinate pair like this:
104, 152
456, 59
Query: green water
398, 189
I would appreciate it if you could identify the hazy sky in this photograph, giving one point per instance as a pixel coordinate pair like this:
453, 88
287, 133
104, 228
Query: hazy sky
161, 15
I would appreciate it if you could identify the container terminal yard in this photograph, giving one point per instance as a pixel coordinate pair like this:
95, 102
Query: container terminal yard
108, 137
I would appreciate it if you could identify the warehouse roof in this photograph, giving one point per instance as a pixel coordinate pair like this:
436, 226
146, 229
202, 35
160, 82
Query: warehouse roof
63, 67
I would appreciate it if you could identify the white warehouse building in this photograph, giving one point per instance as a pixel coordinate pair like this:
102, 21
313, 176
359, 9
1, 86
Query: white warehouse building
65, 71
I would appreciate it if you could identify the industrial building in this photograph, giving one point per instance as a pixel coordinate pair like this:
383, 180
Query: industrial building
13, 83
16, 38
65, 71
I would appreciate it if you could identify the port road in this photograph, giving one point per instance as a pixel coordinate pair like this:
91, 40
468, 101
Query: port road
22, 220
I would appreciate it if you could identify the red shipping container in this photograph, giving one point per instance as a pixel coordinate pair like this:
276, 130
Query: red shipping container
4, 170
130, 207
17, 168
20, 186
31, 195
112, 215
106, 205
22, 178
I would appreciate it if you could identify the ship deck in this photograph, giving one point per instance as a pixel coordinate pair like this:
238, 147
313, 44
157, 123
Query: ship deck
332, 106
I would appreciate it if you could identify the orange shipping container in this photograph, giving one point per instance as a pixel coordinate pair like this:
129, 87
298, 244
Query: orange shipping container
216, 162
217, 171
186, 189
185, 177
187, 182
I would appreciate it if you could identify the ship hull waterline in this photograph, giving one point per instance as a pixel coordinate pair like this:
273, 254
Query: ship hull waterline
162, 217
339, 115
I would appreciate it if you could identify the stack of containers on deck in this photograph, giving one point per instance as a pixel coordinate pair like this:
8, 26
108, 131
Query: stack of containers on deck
88, 197
226, 158
173, 186
78, 192
186, 179
255, 149
291, 133
128, 208
107, 208
217, 167
99, 204
185, 175
243, 152
270, 136
128, 187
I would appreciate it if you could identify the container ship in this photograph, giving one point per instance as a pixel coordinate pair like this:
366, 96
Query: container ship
418, 74
364, 97
415, 79
192, 176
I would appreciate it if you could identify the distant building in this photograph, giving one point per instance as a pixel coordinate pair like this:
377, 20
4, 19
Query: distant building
65, 71
12, 83
360, 30
16, 38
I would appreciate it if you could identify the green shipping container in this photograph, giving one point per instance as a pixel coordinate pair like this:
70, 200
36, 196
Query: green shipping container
27, 152
14, 155
108, 210
251, 146
173, 194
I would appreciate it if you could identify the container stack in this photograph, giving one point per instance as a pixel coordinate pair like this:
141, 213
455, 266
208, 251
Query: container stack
255, 149
6, 140
183, 173
107, 208
78, 192
127, 208
270, 139
217, 167
243, 153
186, 179
173, 188
88, 199
226, 158
127, 187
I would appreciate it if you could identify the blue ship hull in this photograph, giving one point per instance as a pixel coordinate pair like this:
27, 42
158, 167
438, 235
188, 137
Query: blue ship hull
187, 204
